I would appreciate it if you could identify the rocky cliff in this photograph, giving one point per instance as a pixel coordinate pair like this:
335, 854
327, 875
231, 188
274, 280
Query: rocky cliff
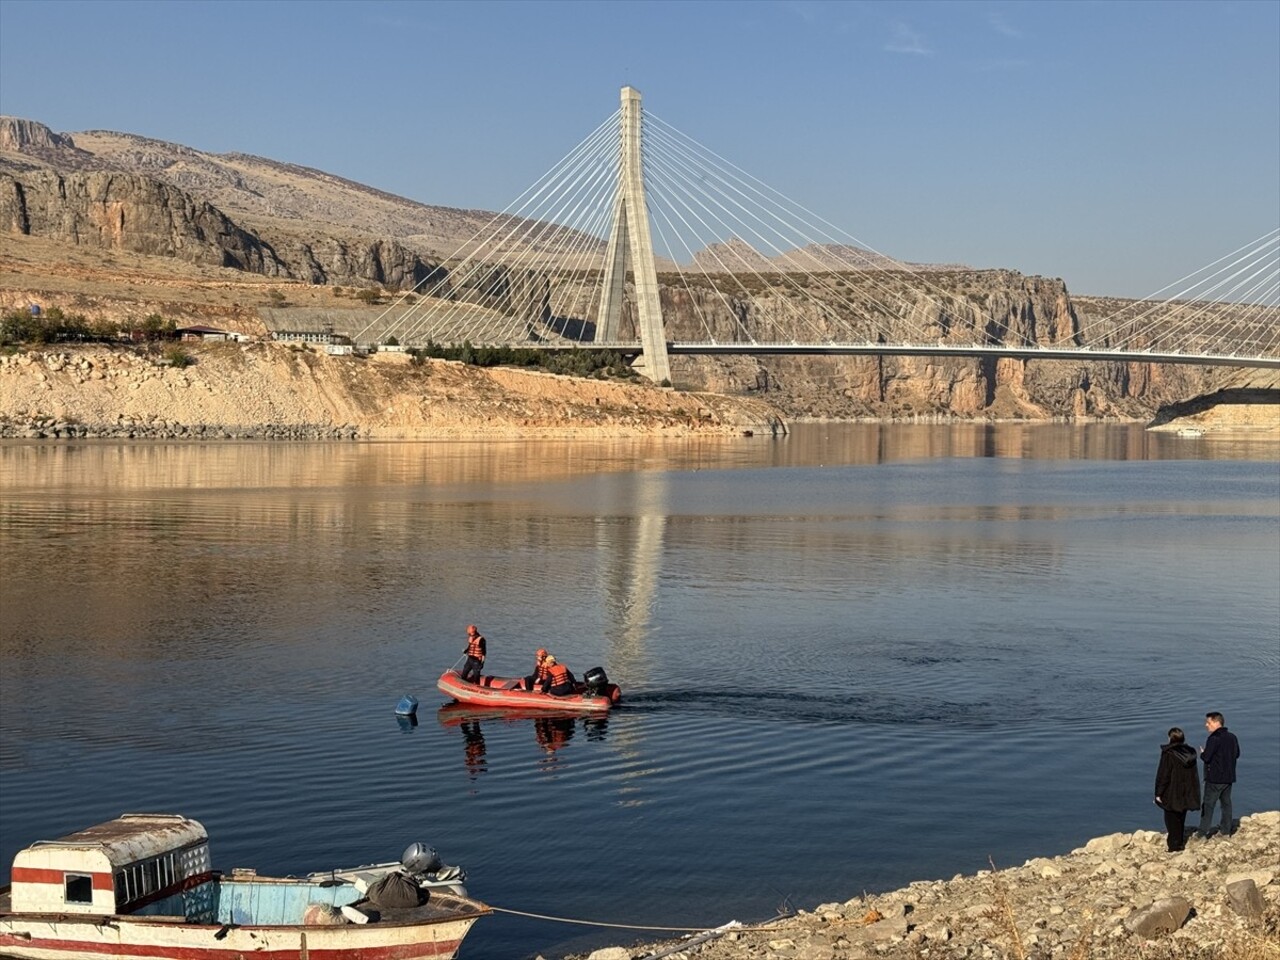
954, 305
120, 211
155, 200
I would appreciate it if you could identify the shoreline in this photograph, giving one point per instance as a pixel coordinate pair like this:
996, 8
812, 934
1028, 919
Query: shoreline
1118, 896
273, 392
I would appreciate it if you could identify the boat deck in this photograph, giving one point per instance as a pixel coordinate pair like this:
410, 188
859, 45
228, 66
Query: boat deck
439, 906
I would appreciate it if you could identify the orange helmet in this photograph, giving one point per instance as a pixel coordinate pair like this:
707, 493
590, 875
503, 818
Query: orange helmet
471, 630
540, 653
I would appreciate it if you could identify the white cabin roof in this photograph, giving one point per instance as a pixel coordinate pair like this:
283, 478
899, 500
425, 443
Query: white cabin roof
126, 839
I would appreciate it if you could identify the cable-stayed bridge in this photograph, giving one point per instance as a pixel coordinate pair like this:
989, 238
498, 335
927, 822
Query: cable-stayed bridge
643, 241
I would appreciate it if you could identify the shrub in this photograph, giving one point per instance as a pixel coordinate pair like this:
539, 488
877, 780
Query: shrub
576, 363
53, 326
178, 357
369, 295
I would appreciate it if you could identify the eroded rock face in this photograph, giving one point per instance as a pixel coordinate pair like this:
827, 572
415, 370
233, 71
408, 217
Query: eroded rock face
995, 306
127, 212
122, 211
31, 136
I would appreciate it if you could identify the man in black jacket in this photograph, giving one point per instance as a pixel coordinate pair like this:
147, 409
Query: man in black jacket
1219, 753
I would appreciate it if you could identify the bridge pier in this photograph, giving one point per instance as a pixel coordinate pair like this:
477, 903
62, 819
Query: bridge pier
630, 241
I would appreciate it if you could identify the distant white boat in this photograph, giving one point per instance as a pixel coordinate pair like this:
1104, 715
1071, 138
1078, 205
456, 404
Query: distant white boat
1190, 432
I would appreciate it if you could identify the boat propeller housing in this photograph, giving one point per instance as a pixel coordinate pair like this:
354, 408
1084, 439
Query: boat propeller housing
420, 858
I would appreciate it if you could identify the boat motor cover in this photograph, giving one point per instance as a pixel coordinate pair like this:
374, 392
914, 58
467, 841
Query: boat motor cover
420, 858
595, 678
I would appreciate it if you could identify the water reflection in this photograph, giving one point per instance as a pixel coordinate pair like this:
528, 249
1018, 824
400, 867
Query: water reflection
475, 747
552, 731
394, 466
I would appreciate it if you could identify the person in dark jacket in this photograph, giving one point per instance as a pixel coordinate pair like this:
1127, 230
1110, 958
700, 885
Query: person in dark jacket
1219, 753
1177, 786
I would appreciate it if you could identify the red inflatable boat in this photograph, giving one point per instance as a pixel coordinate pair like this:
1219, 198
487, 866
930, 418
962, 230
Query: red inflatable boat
596, 695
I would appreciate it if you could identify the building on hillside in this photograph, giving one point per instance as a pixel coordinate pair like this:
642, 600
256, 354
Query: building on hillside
325, 335
201, 332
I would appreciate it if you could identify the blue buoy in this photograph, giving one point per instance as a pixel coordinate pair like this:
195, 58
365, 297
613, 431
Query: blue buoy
408, 706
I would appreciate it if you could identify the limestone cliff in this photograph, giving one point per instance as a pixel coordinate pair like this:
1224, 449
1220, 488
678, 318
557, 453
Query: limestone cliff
120, 211
961, 306
152, 198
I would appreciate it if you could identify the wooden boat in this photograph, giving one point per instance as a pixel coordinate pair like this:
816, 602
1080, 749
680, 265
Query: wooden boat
141, 886
596, 696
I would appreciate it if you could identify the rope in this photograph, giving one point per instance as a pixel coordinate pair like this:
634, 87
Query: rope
593, 923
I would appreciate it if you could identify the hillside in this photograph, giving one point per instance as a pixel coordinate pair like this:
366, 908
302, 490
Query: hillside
116, 226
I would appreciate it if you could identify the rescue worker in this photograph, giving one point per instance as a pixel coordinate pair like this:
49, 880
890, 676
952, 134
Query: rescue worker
534, 680
475, 655
559, 682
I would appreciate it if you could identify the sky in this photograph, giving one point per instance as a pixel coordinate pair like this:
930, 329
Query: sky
1117, 145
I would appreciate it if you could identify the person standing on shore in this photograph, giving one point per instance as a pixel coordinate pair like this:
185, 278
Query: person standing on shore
1220, 752
475, 654
1177, 786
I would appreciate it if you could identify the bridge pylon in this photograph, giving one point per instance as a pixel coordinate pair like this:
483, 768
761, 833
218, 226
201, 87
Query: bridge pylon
631, 242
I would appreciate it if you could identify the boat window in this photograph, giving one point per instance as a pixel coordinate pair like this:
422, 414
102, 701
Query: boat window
79, 888
152, 869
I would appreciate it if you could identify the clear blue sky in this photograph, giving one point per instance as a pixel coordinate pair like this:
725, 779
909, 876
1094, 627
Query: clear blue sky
1119, 145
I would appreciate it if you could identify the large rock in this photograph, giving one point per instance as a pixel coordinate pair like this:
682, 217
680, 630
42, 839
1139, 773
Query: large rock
1244, 898
1161, 918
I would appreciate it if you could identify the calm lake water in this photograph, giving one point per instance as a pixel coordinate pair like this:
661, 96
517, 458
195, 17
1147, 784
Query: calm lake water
851, 658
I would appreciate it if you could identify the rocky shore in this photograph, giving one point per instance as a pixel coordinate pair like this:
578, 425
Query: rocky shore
1119, 896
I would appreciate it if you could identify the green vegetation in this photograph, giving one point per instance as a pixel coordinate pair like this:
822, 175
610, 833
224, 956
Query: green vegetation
369, 295
276, 299
153, 327
575, 363
54, 326
176, 356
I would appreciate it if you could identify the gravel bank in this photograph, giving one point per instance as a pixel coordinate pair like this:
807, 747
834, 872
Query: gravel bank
1118, 896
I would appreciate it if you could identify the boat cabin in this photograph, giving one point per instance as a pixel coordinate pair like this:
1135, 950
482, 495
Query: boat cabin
137, 863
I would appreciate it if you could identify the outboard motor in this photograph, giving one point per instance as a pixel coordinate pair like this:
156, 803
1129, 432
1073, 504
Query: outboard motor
422, 863
595, 681
418, 858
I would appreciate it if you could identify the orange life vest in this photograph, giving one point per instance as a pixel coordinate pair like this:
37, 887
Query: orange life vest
541, 671
559, 675
475, 647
